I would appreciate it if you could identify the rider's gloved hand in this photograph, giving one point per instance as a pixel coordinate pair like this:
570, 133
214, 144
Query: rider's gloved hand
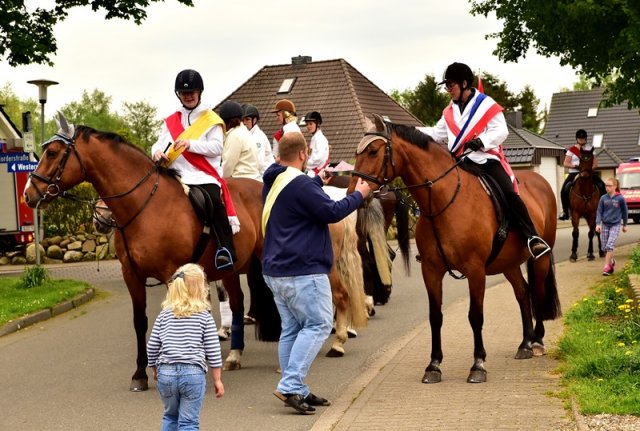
474, 144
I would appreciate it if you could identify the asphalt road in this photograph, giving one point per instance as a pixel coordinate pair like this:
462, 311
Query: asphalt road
73, 372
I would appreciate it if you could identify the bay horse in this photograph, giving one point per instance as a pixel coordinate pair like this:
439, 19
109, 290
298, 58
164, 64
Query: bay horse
455, 232
584, 196
346, 279
157, 227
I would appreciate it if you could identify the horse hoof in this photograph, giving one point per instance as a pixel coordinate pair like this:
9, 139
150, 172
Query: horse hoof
372, 312
591, 257
573, 258
477, 376
432, 377
524, 354
335, 352
538, 349
351, 333
139, 385
231, 366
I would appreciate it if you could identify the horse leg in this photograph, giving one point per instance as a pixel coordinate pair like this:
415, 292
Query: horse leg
136, 287
574, 245
544, 296
433, 374
236, 302
478, 373
521, 291
601, 252
340, 300
590, 255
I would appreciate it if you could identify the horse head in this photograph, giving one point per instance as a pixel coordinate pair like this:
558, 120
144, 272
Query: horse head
586, 162
56, 171
374, 161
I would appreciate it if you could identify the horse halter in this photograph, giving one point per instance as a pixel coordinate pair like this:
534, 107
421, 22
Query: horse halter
53, 185
388, 158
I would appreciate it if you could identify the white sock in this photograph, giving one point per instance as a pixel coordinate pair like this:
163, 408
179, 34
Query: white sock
225, 314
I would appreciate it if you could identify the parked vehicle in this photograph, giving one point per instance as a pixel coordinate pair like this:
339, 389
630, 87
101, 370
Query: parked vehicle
629, 176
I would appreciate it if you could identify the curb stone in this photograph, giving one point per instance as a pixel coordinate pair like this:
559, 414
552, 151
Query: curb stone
42, 315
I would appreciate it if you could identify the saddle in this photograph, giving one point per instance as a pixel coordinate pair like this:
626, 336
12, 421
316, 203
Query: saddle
203, 206
500, 205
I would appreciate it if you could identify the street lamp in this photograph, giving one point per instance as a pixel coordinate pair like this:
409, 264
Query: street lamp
42, 93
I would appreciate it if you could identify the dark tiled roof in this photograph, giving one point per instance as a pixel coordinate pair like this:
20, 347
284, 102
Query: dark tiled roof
523, 147
620, 126
335, 89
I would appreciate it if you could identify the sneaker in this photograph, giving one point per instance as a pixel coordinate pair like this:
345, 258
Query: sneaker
607, 270
563, 216
248, 320
224, 333
538, 249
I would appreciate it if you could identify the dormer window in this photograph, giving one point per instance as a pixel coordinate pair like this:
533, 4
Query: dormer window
597, 140
286, 86
592, 112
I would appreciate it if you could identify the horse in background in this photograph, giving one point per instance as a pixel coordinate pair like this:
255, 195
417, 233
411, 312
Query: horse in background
157, 226
455, 232
584, 196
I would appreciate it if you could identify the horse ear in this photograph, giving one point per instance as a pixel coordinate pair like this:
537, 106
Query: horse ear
65, 129
379, 122
368, 124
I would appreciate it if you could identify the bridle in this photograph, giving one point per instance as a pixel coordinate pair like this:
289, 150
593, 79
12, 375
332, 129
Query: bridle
384, 183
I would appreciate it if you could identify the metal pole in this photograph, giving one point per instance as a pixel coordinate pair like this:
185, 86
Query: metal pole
36, 221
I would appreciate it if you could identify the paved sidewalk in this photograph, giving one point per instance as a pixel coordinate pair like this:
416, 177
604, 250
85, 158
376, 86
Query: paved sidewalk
390, 395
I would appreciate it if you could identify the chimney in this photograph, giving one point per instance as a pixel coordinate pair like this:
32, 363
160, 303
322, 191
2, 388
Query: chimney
514, 118
300, 60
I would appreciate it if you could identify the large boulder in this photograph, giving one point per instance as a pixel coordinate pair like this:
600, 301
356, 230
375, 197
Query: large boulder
89, 246
55, 240
75, 246
30, 252
55, 252
72, 256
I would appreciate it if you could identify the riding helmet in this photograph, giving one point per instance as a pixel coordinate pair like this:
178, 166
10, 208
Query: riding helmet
251, 112
230, 109
581, 133
313, 116
458, 72
189, 80
285, 105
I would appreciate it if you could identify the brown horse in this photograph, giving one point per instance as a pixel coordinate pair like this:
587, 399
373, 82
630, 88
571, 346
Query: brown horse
456, 230
157, 227
583, 201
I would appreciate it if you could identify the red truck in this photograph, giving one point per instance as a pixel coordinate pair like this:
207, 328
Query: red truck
629, 176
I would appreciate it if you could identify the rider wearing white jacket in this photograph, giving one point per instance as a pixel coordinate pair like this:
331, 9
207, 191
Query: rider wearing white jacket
318, 146
250, 119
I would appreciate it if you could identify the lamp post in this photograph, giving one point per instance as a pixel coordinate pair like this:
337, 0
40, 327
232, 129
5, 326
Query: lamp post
42, 93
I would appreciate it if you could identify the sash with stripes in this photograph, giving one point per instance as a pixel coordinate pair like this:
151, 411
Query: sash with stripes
282, 180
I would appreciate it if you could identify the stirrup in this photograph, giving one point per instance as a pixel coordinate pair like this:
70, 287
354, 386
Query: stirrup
223, 258
541, 241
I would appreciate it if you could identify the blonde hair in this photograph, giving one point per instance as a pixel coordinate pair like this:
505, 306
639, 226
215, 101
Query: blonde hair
616, 183
188, 291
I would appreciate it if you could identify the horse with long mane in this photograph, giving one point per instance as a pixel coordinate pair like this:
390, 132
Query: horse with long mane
455, 232
584, 196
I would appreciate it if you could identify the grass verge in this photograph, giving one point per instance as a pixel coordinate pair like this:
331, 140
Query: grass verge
600, 349
21, 296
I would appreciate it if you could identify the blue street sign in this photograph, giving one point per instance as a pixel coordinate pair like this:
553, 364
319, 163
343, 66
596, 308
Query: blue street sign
22, 167
14, 157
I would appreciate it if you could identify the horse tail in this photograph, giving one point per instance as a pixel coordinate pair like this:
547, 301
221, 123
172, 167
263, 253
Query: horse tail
349, 265
371, 221
266, 312
402, 226
546, 304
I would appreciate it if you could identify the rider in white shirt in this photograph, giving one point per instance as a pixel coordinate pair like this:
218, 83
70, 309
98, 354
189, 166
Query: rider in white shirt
285, 111
318, 146
250, 118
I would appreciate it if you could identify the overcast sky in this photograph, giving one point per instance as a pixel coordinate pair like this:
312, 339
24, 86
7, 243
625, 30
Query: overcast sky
393, 43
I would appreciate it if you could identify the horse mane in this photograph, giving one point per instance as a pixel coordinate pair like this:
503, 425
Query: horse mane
412, 135
115, 139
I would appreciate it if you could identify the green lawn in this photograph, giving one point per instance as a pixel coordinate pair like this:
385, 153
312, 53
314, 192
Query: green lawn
17, 300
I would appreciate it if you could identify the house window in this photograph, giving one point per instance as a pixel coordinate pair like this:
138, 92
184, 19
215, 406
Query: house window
286, 86
592, 112
597, 140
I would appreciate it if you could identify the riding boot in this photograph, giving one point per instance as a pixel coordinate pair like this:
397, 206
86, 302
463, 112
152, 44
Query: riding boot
564, 198
537, 246
599, 184
225, 254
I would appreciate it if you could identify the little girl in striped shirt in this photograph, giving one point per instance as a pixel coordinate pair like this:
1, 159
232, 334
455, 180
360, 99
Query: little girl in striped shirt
182, 346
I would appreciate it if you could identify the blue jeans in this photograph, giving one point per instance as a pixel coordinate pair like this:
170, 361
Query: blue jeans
182, 388
304, 304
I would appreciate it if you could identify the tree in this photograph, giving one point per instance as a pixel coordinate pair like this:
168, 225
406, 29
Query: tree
426, 101
26, 35
94, 110
600, 39
14, 107
141, 121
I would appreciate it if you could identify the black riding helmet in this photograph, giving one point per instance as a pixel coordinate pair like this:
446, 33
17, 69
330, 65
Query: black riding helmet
313, 116
250, 111
581, 133
189, 80
458, 72
231, 109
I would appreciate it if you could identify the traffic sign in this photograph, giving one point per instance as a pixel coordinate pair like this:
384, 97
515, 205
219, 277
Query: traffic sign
22, 167
14, 157
28, 142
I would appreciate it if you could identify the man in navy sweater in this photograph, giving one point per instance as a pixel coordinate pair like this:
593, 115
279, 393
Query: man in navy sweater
297, 259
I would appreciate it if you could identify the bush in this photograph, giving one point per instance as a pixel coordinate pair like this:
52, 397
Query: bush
67, 216
33, 277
